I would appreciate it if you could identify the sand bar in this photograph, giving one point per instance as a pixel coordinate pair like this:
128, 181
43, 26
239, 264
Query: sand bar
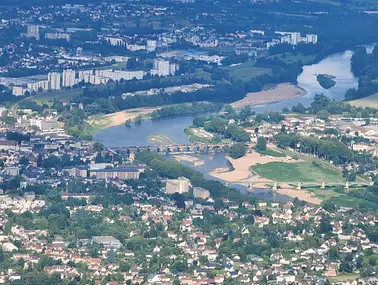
119, 118
280, 92
241, 168
189, 158
300, 194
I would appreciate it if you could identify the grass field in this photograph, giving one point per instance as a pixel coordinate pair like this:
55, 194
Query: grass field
272, 152
304, 171
370, 101
48, 98
246, 71
291, 58
343, 199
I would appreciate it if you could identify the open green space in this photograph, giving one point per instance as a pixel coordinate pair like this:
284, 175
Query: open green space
271, 152
306, 171
343, 199
289, 58
49, 97
246, 71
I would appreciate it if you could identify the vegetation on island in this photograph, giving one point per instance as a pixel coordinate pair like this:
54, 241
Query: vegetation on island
326, 81
185, 109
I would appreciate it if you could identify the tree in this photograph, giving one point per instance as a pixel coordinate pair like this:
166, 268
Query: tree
237, 150
329, 206
323, 115
228, 109
261, 144
325, 226
98, 146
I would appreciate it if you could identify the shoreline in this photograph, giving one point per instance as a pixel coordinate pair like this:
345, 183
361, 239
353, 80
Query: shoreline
101, 122
195, 161
280, 92
240, 171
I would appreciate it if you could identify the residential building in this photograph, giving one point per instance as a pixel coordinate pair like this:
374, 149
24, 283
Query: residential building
69, 78
54, 80
107, 241
180, 185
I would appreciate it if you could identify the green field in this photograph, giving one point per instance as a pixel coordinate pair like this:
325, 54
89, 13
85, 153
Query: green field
343, 199
291, 58
48, 97
272, 152
304, 171
246, 71
370, 101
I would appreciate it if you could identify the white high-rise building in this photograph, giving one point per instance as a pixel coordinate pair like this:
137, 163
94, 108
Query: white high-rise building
33, 31
54, 80
161, 67
69, 78
295, 38
311, 39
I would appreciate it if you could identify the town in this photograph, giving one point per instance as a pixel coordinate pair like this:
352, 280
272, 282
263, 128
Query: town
188, 142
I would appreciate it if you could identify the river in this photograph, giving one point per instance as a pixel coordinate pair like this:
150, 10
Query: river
337, 65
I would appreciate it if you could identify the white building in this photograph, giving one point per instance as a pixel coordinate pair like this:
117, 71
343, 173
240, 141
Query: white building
18, 91
295, 38
115, 41
180, 185
311, 38
33, 32
161, 67
69, 78
117, 75
58, 36
135, 47
54, 80
38, 86
151, 45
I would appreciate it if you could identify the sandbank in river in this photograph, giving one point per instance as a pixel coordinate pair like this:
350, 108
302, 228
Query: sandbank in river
280, 92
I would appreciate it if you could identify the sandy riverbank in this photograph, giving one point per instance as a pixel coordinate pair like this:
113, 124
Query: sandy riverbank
241, 173
189, 158
118, 118
300, 194
241, 168
280, 92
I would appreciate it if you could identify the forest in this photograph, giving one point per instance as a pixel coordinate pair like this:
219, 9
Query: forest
365, 66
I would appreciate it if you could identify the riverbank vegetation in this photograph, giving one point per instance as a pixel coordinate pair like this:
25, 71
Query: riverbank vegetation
185, 109
160, 139
365, 66
237, 150
326, 81
199, 135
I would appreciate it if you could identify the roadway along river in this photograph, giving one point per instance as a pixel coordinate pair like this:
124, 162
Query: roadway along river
337, 65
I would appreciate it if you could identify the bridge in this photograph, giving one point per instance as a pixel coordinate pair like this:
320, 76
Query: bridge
176, 148
274, 185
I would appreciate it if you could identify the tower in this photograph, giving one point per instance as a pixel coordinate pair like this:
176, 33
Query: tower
54, 80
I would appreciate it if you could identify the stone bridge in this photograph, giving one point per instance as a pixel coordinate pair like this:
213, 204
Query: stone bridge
173, 148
